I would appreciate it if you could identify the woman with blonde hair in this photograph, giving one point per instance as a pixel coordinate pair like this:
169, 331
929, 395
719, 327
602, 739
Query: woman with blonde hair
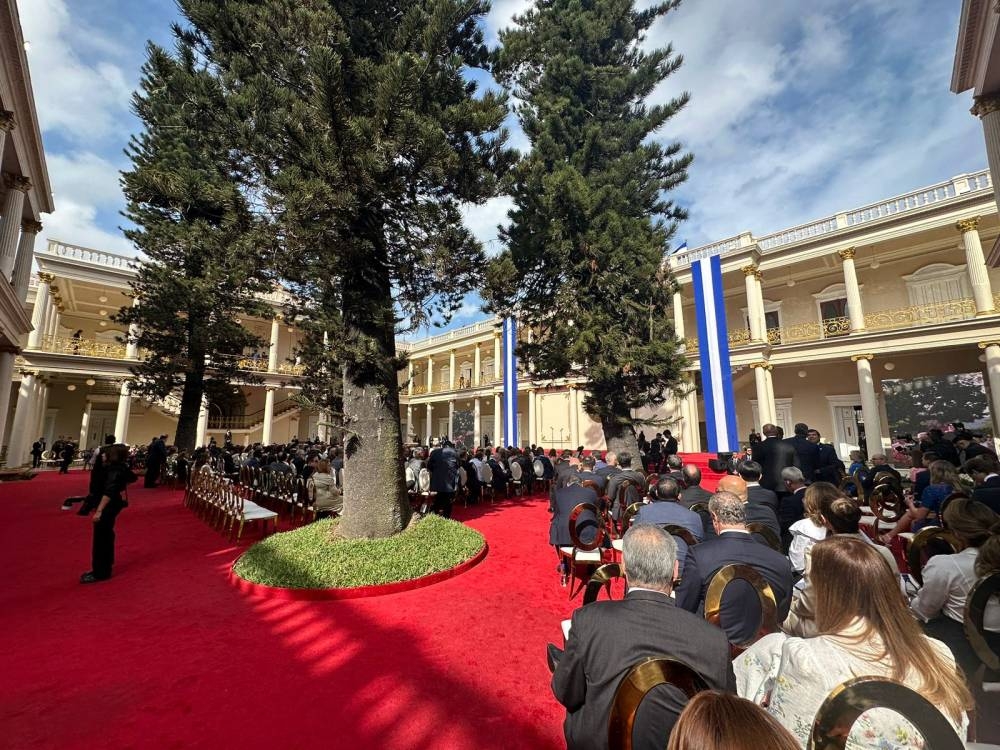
925, 511
863, 628
940, 602
322, 485
810, 529
714, 720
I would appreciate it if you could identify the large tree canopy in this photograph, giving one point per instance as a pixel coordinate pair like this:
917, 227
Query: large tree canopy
583, 260
194, 226
360, 136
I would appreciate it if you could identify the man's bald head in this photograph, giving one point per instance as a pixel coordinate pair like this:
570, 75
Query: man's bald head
769, 430
735, 485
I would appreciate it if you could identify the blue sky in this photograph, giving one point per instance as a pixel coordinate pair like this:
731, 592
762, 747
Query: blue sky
798, 109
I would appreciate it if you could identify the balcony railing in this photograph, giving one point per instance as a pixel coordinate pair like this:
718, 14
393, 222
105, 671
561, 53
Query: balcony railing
249, 421
486, 381
252, 364
83, 347
921, 315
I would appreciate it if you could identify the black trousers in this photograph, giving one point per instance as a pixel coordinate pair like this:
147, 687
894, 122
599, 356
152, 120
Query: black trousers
36, 460
64, 466
442, 503
103, 551
152, 474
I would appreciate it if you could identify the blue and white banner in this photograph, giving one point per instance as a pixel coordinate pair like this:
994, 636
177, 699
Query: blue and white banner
510, 382
713, 348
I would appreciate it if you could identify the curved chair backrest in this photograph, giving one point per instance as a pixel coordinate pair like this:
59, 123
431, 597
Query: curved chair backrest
679, 531
574, 532
759, 529
602, 577
627, 516
975, 609
538, 467
622, 498
846, 702
859, 478
699, 508
768, 605
515, 471
424, 480
927, 542
642, 678
592, 485
887, 477
486, 473
886, 502
411, 477
652, 480
463, 477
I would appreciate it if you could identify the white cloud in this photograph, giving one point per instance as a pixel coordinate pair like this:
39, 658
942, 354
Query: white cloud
76, 224
483, 220
84, 173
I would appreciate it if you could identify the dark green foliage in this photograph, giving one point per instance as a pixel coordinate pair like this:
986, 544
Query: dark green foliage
591, 220
360, 136
195, 228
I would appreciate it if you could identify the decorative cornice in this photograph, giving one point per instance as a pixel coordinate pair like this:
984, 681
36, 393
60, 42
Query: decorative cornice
7, 121
967, 225
17, 182
858, 357
30, 226
749, 271
847, 253
984, 105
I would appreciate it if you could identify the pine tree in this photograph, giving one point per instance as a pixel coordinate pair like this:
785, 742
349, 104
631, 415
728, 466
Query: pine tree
583, 259
364, 136
194, 226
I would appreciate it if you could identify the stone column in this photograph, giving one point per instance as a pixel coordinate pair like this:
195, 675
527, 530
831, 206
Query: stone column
430, 419
201, 439
10, 222
123, 413
678, 317
25, 254
477, 423
409, 423
755, 304
854, 309
764, 398
55, 319
574, 419
691, 409
532, 436
992, 351
85, 425
451, 419
43, 389
869, 403
476, 367
498, 439
987, 108
38, 313
430, 374
975, 265
132, 341
24, 421
7, 124
409, 376
451, 370
272, 352
6, 378
497, 358
772, 405
265, 437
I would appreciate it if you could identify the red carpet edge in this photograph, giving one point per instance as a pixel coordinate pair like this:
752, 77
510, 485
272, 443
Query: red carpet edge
357, 592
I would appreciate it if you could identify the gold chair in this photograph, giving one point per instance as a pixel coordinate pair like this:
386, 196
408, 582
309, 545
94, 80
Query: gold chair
975, 610
628, 515
642, 678
846, 702
925, 544
601, 579
681, 532
770, 539
583, 553
886, 502
765, 595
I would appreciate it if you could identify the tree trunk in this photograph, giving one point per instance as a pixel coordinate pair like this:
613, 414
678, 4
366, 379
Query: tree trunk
187, 421
375, 501
619, 434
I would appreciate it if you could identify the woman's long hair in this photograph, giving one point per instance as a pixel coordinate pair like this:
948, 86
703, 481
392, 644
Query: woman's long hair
850, 579
976, 525
817, 495
714, 720
944, 472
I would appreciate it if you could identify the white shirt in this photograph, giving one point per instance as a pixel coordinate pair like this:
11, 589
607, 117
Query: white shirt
805, 534
947, 582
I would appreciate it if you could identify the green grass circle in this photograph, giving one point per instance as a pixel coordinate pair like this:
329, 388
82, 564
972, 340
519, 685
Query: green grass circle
309, 558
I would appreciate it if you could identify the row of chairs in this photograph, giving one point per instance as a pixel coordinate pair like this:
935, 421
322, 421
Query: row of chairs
225, 505
280, 491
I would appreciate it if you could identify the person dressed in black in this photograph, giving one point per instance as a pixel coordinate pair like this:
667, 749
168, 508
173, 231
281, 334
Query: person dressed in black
66, 457
807, 453
117, 477
96, 485
670, 446
37, 449
443, 467
773, 454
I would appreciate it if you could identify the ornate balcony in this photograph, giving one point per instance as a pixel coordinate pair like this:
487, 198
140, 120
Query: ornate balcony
83, 347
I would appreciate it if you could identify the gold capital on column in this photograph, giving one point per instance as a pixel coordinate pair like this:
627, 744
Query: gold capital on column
750, 270
986, 344
856, 357
983, 105
7, 121
967, 225
847, 253
31, 226
767, 367
17, 182
46, 278
757, 274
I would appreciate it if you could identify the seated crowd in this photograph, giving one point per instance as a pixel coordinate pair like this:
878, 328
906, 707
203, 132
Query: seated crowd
808, 600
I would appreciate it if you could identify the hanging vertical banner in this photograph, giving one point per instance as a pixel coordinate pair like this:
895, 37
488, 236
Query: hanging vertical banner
713, 349
510, 382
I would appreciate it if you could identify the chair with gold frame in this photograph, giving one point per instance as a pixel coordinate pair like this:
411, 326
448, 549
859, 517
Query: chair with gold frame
975, 610
624, 523
583, 553
846, 702
601, 579
642, 678
680, 532
768, 535
886, 502
765, 595
927, 542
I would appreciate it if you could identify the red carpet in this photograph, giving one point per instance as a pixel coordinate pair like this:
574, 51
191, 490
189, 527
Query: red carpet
169, 654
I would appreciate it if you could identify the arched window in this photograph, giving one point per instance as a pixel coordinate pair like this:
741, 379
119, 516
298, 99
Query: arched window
937, 283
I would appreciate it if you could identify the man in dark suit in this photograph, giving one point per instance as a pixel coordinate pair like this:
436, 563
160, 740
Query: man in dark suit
37, 449
607, 638
155, 459
734, 545
443, 466
968, 448
587, 473
792, 505
750, 472
807, 453
666, 509
985, 472
670, 444
610, 465
756, 512
693, 493
634, 494
944, 448
829, 467
773, 455
880, 465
